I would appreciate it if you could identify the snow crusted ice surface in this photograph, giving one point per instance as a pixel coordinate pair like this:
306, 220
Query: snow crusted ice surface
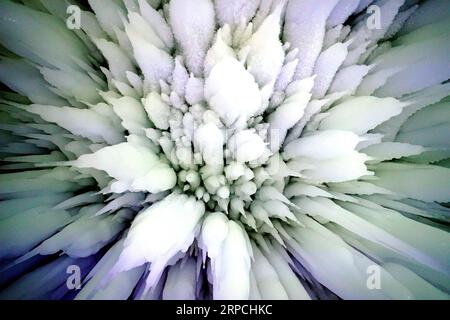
225, 149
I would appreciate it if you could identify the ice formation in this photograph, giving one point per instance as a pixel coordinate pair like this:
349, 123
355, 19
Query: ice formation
225, 149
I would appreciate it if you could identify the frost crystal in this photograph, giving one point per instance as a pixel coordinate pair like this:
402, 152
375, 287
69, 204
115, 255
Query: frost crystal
238, 149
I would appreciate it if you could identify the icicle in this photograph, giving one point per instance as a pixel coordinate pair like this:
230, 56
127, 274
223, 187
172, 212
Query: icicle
193, 27
232, 92
153, 231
